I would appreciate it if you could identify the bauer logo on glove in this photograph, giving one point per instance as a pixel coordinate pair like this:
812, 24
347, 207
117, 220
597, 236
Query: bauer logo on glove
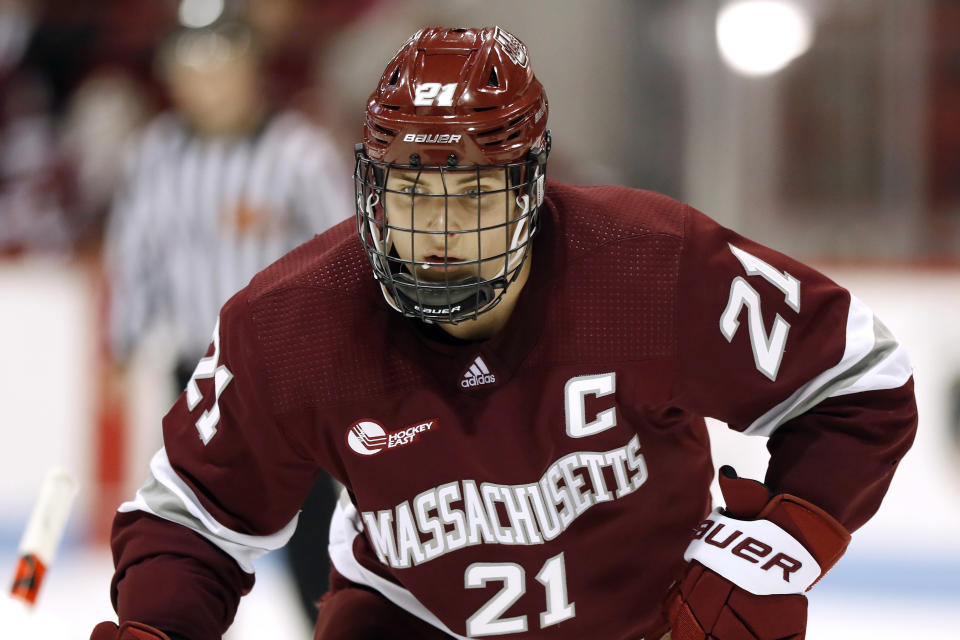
750, 563
780, 563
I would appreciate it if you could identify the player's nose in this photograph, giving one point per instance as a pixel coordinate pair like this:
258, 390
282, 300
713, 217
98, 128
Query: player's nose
436, 215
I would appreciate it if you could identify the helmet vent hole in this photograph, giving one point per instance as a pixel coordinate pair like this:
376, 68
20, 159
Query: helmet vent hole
493, 80
391, 107
389, 132
394, 77
484, 108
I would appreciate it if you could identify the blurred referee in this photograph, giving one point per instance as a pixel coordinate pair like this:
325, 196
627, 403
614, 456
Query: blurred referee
216, 190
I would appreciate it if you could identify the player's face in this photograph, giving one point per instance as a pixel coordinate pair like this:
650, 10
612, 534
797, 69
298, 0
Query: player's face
451, 238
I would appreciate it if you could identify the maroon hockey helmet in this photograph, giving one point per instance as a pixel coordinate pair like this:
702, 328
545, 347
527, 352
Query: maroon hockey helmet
454, 102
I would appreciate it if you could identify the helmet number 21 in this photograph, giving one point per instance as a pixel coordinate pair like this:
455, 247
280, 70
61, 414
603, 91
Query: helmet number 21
430, 93
767, 349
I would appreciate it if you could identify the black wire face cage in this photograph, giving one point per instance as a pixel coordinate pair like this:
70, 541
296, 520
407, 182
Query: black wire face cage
441, 296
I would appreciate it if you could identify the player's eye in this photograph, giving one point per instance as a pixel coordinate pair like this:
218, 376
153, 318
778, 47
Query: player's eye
412, 189
476, 191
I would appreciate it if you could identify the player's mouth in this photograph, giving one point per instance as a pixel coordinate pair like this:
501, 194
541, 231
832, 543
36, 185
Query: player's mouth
436, 258
449, 266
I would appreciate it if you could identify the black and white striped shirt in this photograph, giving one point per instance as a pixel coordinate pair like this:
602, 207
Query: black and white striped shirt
198, 217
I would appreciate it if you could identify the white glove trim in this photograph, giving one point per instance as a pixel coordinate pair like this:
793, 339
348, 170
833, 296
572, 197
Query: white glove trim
755, 555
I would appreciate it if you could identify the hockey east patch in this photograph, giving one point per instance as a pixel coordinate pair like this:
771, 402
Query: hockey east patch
367, 437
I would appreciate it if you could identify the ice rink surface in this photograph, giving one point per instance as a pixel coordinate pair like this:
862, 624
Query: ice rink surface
862, 598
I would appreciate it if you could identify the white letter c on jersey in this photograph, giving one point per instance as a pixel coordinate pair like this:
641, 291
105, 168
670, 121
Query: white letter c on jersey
575, 410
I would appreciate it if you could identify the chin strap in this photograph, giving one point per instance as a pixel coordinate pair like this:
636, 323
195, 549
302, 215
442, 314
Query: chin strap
520, 237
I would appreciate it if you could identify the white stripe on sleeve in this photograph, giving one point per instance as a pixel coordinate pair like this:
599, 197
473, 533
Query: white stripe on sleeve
872, 360
166, 496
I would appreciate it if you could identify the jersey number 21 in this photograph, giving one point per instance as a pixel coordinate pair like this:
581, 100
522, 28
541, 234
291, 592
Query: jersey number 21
767, 349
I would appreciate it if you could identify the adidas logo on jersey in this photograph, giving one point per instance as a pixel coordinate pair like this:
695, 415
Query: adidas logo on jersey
478, 374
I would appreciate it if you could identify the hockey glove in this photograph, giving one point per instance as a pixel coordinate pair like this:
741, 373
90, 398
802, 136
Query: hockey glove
127, 631
750, 564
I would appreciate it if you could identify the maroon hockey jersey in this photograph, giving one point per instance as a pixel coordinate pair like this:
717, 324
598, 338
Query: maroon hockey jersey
540, 484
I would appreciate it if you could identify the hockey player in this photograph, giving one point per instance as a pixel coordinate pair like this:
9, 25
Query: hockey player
519, 429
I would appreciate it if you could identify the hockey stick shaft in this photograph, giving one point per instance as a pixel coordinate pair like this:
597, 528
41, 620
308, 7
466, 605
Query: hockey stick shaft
43, 533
